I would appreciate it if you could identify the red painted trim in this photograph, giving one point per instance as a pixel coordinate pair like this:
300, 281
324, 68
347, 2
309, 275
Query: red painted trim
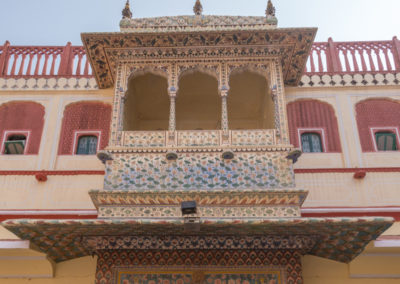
395, 215
346, 170
50, 217
50, 173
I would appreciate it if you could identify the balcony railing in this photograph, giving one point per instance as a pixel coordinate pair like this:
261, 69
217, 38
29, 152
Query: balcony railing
358, 57
198, 138
43, 61
325, 58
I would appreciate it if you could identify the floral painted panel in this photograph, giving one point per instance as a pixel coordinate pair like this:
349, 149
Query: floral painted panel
144, 138
253, 137
205, 212
152, 277
198, 171
245, 278
198, 138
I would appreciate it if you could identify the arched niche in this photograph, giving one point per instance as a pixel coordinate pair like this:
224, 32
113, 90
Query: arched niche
198, 105
249, 104
146, 103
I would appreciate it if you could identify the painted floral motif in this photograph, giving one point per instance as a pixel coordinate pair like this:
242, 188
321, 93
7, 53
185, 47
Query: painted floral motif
152, 278
198, 138
144, 139
253, 137
207, 277
200, 171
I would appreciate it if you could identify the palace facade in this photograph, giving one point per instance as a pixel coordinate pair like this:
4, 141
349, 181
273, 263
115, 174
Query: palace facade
200, 149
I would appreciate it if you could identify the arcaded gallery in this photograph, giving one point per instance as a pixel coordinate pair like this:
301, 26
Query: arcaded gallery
200, 149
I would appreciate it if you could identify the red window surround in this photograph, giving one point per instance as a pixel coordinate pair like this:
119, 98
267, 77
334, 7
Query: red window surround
376, 115
84, 118
313, 114
22, 118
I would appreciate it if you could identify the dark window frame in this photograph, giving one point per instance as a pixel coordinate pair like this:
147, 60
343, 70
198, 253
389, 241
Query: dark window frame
8, 140
386, 133
309, 135
83, 136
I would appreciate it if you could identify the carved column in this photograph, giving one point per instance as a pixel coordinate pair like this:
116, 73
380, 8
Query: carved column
224, 112
172, 112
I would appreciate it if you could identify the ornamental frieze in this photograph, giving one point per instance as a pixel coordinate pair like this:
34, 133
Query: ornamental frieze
291, 45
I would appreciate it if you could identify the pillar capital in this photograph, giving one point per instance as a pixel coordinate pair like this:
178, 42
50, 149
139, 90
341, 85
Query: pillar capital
172, 92
274, 92
223, 91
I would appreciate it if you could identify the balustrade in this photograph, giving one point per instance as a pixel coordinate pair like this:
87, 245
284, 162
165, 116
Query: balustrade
325, 58
199, 138
354, 57
44, 61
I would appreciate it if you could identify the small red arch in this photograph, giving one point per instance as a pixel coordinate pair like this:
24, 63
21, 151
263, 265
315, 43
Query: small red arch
313, 115
23, 117
373, 115
92, 117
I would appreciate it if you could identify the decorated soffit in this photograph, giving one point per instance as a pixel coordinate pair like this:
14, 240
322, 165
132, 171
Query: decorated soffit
340, 239
291, 46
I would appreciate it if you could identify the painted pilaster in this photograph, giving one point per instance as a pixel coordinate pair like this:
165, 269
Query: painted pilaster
278, 94
118, 106
172, 112
224, 111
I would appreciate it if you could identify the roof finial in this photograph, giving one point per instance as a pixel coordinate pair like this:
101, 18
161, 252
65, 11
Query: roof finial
270, 11
198, 8
126, 12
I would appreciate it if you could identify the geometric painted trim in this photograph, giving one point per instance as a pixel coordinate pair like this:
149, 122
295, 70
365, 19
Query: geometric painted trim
271, 197
347, 170
62, 84
51, 173
302, 243
338, 80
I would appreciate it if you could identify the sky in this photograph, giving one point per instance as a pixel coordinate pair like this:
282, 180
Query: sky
55, 22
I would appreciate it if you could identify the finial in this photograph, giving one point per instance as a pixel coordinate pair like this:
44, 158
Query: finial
198, 8
270, 11
126, 12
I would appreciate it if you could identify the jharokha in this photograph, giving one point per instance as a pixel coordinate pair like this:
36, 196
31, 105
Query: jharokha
168, 153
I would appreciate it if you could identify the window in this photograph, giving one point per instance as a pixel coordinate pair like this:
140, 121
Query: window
87, 145
311, 142
15, 145
385, 141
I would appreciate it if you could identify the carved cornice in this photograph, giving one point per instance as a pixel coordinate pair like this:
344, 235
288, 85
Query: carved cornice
290, 46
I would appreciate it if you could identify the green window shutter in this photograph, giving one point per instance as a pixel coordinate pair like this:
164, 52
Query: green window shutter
385, 141
311, 142
87, 145
16, 147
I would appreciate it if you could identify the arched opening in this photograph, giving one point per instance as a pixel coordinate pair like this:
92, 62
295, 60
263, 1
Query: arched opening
198, 105
147, 103
249, 105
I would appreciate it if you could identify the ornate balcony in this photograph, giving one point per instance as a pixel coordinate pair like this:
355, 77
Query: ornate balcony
198, 138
